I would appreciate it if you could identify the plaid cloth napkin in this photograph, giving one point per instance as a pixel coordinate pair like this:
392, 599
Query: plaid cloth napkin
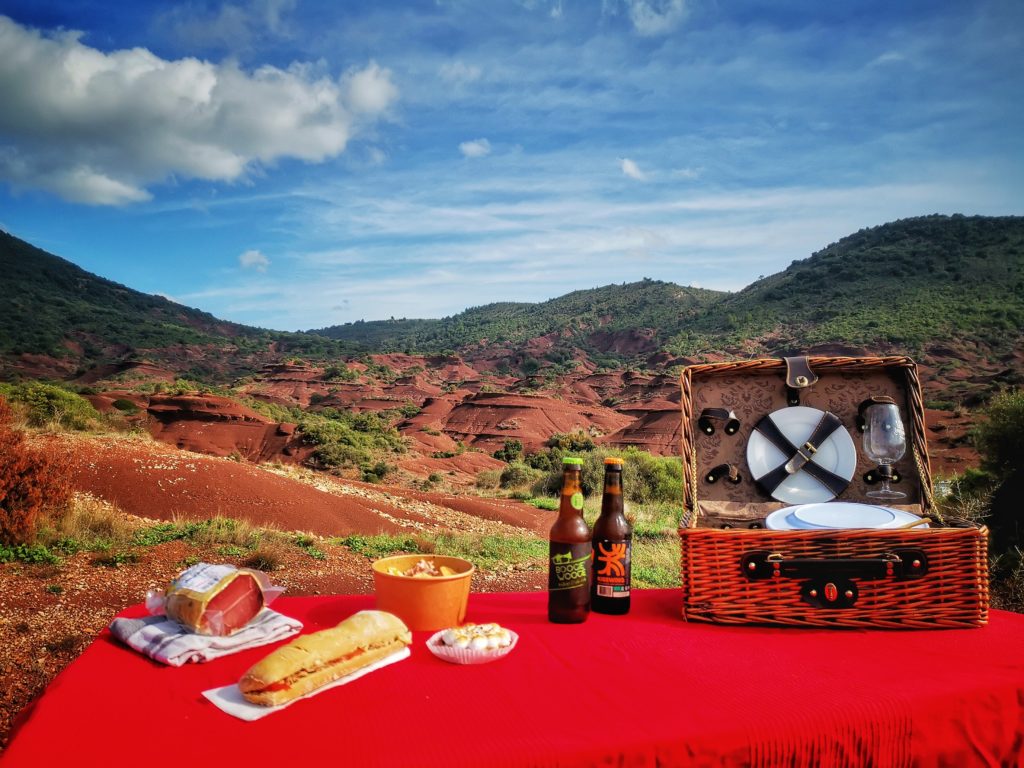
168, 642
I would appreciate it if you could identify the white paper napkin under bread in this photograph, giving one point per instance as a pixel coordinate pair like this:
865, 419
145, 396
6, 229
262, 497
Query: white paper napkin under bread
229, 698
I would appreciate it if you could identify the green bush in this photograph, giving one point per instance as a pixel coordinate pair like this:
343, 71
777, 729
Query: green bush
488, 479
575, 442
345, 439
1000, 436
516, 475
645, 478
47, 404
511, 451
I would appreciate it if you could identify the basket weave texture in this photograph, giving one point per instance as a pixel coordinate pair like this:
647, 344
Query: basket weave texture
953, 592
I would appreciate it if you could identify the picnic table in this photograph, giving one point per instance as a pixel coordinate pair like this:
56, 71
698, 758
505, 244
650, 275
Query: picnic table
647, 688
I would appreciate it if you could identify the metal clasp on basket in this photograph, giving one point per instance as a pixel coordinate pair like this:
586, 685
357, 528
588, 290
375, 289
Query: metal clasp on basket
829, 582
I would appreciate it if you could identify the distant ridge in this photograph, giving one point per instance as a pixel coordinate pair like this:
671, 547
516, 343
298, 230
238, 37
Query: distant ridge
911, 284
587, 319
56, 309
947, 289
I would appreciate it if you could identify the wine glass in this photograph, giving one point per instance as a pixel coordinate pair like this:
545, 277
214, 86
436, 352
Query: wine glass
885, 441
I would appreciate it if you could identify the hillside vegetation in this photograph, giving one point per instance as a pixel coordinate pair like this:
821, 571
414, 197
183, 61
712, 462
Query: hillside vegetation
573, 319
913, 283
918, 286
910, 284
52, 307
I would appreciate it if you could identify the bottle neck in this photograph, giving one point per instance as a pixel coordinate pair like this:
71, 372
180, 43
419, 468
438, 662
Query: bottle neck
611, 499
571, 487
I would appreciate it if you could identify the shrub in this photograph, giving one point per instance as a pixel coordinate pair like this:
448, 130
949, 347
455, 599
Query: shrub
125, 405
488, 479
998, 437
517, 474
46, 404
377, 472
511, 451
30, 481
576, 442
645, 478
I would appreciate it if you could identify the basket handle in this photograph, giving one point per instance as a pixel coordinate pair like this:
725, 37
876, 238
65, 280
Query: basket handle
898, 564
828, 583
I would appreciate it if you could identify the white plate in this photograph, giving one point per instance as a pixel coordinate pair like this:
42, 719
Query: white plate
837, 514
837, 454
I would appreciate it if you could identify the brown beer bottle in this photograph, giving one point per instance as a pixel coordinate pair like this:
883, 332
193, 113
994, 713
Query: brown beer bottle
569, 552
613, 547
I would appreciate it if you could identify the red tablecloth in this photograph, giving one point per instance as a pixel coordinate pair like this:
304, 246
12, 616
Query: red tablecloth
641, 689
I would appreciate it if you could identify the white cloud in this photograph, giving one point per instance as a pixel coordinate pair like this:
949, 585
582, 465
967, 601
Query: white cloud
690, 174
370, 90
253, 259
889, 57
459, 72
631, 169
656, 17
475, 148
233, 26
99, 128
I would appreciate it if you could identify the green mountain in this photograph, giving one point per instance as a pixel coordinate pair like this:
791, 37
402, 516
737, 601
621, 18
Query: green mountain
574, 319
946, 289
911, 285
916, 283
56, 309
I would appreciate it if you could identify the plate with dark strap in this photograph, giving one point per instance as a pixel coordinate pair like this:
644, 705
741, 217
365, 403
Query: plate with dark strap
801, 455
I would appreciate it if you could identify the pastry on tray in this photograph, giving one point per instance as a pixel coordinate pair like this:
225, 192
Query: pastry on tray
473, 643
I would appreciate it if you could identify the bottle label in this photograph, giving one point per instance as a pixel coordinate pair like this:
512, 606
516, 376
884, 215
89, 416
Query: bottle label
569, 565
576, 500
612, 565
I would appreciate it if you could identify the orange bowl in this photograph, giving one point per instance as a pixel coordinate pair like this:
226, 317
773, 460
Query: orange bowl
427, 603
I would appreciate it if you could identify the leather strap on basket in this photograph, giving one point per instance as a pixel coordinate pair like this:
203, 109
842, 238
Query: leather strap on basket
865, 404
707, 417
800, 457
798, 376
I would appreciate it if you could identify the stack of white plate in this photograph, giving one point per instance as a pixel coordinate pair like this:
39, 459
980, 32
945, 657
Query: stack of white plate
838, 514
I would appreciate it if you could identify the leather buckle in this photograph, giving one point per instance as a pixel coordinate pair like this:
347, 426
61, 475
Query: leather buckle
798, 376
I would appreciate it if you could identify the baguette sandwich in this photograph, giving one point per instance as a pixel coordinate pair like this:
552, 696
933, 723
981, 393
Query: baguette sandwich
314, 660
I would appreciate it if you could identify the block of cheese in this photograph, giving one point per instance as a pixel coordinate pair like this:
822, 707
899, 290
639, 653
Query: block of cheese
215, 599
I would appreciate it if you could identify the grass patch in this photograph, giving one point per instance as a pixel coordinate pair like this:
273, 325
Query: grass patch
489, 552
217, 531
307, 544
485, 552
379, 546
117, 559
656, 562
541, 502
87, 524
28, 553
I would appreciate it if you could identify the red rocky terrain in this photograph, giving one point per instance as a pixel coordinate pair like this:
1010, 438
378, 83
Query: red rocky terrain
456, 407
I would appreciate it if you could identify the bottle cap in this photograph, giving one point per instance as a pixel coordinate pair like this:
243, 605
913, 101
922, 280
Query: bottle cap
573, 461
614, 460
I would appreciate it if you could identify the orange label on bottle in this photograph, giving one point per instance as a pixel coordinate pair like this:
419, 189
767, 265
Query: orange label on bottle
612, 568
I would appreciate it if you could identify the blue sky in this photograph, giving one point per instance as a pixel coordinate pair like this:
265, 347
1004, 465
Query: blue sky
294, 164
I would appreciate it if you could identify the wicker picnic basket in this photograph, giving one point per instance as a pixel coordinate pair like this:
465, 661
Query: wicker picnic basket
735, 571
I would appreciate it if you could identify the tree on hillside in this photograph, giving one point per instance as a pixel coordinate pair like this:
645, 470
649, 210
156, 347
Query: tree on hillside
30, 481
1000, 441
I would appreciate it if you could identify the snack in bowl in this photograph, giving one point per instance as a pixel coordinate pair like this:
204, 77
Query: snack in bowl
427, 592
473, 643
314, 660
422, 569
